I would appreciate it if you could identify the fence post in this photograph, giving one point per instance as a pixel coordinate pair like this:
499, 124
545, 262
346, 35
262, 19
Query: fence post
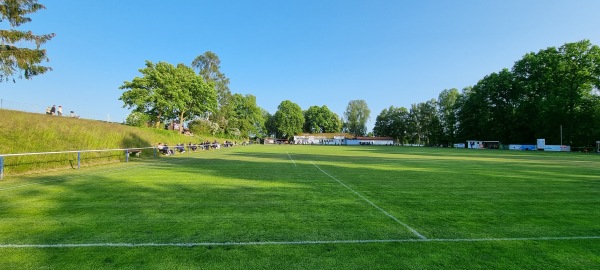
1, 167
154, 152
126, 155
78, 160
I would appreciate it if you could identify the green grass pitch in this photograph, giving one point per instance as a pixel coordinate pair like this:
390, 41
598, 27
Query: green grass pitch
310, 207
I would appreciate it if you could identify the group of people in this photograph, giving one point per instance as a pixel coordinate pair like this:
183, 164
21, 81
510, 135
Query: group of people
54, 111
58, 111
193, 147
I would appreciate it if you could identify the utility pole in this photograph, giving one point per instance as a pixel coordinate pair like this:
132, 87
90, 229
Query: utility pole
561, 135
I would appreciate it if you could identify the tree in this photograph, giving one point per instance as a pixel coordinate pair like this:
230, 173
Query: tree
558, 86
247, 116
189, 94
166, 92
137, 119
23, 61
270, 128
357, 114
321, 119
392, 122
447, 101
209, 67
424, 123
147, 94
288, 119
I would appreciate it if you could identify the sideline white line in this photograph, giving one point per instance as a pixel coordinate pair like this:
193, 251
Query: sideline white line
200, 244
291, 158
373, 204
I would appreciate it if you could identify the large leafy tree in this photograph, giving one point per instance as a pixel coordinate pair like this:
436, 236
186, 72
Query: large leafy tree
447, 101
21, 62
424, 123
208, 65
247, 116
167, 92
356, 115
560, 87
288, 119
270, 128
147, 94
392, 122
321, 119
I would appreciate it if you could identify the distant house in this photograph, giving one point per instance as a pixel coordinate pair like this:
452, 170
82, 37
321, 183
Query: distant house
342, 140
323, 139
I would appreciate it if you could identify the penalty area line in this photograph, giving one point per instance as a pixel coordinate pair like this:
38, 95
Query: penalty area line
270, 243
415, 232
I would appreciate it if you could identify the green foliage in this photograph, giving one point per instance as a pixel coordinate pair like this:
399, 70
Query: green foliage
137, 119
392, 122
321, 120
247, 118
22, 60
203, 126
166, 92
448, 110
424, 127
270, 128
357, 114
209, 67
545, 90
29, 132
288, 119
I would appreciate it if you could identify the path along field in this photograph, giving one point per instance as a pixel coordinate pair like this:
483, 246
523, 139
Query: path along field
310, 207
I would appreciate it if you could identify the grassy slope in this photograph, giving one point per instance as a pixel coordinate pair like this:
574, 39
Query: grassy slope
275, 193
22, 132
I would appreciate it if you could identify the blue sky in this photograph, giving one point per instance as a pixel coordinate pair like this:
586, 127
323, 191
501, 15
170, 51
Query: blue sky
325, 52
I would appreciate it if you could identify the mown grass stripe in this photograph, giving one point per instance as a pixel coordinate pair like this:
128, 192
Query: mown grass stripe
374, 241
415, 232
291, 158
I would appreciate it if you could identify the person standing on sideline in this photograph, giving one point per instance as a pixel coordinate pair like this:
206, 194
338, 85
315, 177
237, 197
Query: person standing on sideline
53, 110
59, 111
48, 110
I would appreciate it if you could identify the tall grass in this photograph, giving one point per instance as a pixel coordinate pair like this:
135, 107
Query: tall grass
23, 132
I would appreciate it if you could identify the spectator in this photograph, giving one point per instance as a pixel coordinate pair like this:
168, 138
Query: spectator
53, 110
59, 111
48, 111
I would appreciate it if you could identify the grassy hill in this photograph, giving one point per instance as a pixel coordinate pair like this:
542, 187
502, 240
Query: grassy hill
23, 132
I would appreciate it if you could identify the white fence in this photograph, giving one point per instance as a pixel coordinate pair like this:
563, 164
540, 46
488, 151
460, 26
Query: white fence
127, 152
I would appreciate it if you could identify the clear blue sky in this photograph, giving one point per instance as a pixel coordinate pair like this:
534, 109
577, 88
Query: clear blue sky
312, 52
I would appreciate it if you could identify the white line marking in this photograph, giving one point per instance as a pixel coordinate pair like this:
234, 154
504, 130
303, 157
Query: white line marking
198, 244
291, 158
374, 205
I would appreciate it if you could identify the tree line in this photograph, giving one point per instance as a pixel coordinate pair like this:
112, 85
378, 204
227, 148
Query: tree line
552, 94
199, 96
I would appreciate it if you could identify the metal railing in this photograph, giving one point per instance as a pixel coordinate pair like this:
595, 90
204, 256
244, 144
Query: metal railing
127, 151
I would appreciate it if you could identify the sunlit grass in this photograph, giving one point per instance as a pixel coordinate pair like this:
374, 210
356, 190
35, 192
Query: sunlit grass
266, 194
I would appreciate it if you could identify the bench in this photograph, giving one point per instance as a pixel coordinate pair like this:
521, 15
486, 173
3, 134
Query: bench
134, 151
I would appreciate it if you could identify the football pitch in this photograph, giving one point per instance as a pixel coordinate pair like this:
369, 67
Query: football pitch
309, 207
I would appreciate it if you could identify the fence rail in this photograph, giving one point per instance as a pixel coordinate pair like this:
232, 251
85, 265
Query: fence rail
78, 152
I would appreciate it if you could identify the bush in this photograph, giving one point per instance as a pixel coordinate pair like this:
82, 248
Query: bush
137, 119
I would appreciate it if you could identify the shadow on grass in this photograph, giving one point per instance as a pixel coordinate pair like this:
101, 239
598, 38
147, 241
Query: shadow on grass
246, 196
